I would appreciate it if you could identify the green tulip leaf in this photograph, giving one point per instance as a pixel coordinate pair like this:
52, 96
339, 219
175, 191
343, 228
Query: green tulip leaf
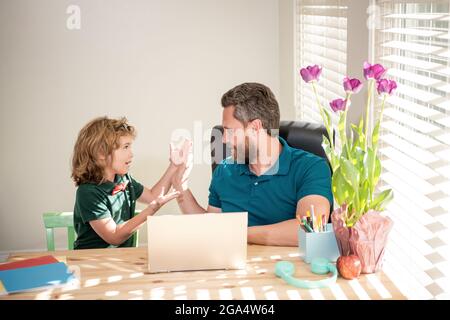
342, 190
364, 193
382, 200
331, 155
350, 173
375, 135
328, 118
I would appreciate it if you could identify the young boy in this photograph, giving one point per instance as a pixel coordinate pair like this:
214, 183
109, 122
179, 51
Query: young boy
106, 195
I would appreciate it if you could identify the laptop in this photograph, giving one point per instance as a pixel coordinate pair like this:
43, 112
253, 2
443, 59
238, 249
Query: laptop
186, 242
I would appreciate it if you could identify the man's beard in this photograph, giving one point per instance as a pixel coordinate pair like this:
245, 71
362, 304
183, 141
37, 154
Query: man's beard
244, 154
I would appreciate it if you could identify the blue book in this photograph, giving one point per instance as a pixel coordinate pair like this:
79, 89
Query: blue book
25, 279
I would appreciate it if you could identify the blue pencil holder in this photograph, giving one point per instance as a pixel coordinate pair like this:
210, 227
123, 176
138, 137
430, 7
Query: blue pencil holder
318, 244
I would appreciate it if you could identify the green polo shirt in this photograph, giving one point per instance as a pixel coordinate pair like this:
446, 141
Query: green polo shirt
273, 196
95, 201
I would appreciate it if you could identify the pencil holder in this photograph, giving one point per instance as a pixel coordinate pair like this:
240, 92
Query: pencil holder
318, 244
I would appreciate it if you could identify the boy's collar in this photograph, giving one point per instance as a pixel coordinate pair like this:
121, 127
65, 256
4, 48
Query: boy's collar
108, 186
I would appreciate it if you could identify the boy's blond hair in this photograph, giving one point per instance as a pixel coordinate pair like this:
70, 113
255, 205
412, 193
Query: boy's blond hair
100, 137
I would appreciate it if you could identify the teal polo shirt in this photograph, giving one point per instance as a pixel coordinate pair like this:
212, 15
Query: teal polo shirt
272, 197
96, 201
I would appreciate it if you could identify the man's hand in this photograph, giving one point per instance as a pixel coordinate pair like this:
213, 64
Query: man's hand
183, 160
179, 156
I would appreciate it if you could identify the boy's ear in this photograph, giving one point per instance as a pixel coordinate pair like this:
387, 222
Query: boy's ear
102, 159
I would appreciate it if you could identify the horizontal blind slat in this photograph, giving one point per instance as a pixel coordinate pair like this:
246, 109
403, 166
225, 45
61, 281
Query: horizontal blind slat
410, 134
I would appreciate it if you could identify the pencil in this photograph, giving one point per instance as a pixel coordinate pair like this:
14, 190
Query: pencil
313, 218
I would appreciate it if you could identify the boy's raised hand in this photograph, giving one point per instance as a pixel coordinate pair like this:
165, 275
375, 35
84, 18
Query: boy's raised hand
162, 199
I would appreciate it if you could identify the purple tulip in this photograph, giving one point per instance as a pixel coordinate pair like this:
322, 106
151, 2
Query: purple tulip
373, 71
338, 105
311, 73
352, 85
386, 86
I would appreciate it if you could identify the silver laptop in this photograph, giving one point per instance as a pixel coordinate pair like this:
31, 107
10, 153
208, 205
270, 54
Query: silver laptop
197, 241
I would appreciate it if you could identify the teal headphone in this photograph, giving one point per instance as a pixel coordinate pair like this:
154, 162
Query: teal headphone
285, 270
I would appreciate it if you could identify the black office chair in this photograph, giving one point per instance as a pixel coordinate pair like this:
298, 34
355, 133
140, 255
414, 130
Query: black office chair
298, 134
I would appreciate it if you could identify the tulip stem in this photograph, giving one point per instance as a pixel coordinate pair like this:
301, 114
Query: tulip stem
369, 95
382, 107
324, 118
315, 94
379, 121
344, 134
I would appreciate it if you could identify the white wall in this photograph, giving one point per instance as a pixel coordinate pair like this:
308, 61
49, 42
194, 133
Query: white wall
287, 62
358, 51
163, 64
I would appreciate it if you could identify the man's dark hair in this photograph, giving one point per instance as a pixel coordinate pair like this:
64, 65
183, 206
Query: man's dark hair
253, 101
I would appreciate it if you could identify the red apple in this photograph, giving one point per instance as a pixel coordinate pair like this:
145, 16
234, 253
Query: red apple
349, 267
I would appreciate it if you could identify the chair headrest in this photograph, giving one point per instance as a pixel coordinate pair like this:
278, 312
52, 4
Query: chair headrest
304, 135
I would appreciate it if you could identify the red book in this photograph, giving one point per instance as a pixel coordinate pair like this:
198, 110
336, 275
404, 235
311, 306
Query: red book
28, 263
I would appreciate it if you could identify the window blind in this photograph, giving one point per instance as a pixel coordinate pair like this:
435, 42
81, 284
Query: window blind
320, 38
413, 42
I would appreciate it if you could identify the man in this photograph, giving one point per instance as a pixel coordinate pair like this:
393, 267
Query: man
265, 176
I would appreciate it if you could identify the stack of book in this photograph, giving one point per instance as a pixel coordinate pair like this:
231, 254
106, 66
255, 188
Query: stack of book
33, 274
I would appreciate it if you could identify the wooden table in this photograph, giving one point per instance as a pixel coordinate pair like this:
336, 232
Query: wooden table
122, 274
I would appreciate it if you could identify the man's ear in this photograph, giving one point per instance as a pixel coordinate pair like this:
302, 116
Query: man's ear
256, 125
